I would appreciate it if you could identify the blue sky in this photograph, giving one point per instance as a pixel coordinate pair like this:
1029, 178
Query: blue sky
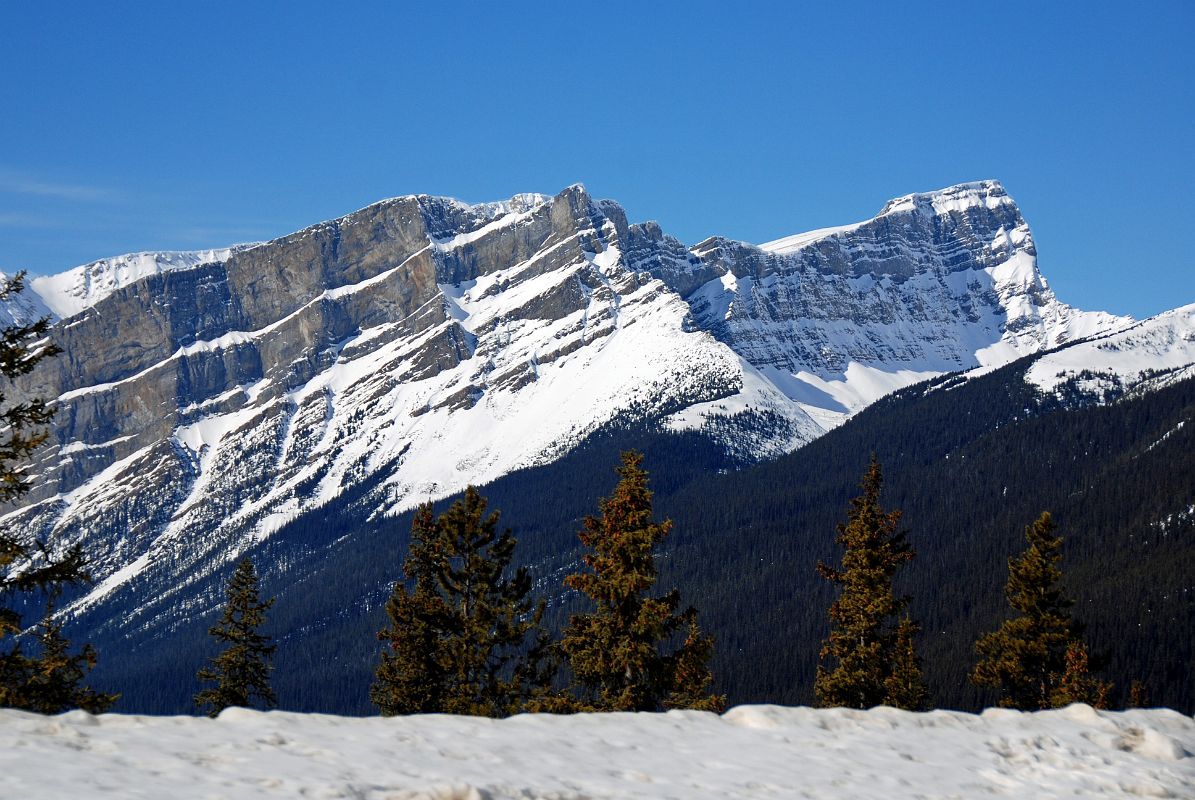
184, 125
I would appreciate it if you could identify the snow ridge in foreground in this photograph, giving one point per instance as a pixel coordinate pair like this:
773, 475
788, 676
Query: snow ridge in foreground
748, 752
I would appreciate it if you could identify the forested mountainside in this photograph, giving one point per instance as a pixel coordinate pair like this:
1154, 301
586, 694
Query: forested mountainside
970, 467
419, 344
970, 460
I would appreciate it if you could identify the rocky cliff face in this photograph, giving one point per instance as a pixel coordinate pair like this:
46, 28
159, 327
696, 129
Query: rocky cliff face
936, 282
421, 344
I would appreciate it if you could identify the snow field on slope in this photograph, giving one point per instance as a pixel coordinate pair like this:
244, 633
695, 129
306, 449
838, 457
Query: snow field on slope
1164, 342
793, 243
748, 752
640, 342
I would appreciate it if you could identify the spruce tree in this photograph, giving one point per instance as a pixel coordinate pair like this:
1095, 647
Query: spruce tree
1026, 658
464, 634
869, 658
619, 654
905, 687
241, 673
55, 679
29, 566
1077, 684
410, 678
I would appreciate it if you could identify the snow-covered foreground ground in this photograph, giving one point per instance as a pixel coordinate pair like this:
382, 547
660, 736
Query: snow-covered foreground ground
749, 752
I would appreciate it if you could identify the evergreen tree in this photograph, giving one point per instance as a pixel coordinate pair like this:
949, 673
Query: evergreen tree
1077, 684
871, 658
464, 636
55, 678
242, 672
410, 678
28, 565
618, 653
905, 686
1026, 658
1138, 698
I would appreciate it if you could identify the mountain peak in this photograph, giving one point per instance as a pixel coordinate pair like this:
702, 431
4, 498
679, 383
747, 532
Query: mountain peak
986, 194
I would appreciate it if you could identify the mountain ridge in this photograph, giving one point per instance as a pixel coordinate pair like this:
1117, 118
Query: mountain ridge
420, 343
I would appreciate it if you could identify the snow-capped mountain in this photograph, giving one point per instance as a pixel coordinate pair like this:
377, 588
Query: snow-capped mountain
420, 344
937, 282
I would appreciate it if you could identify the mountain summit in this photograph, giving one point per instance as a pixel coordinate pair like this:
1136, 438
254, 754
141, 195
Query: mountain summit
420, 344
937, 282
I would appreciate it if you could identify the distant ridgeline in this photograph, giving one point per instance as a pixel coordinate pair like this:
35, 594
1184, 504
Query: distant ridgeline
971, 463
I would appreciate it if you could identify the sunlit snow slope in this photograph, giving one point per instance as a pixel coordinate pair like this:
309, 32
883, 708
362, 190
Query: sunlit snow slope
749, 752
1153, 352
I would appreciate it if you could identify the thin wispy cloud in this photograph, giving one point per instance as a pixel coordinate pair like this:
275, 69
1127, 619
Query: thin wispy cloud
17, 219
12, 183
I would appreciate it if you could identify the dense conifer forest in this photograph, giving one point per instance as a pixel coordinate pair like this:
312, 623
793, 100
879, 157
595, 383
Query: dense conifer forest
970, 465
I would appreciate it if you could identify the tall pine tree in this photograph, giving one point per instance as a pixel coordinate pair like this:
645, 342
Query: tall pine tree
869, 657
619, 654
410, 678
55, 678
30, 567
464, 634
1025, 661
241, 673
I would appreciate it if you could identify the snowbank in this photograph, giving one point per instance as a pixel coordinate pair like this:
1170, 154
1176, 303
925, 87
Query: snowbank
749, 752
